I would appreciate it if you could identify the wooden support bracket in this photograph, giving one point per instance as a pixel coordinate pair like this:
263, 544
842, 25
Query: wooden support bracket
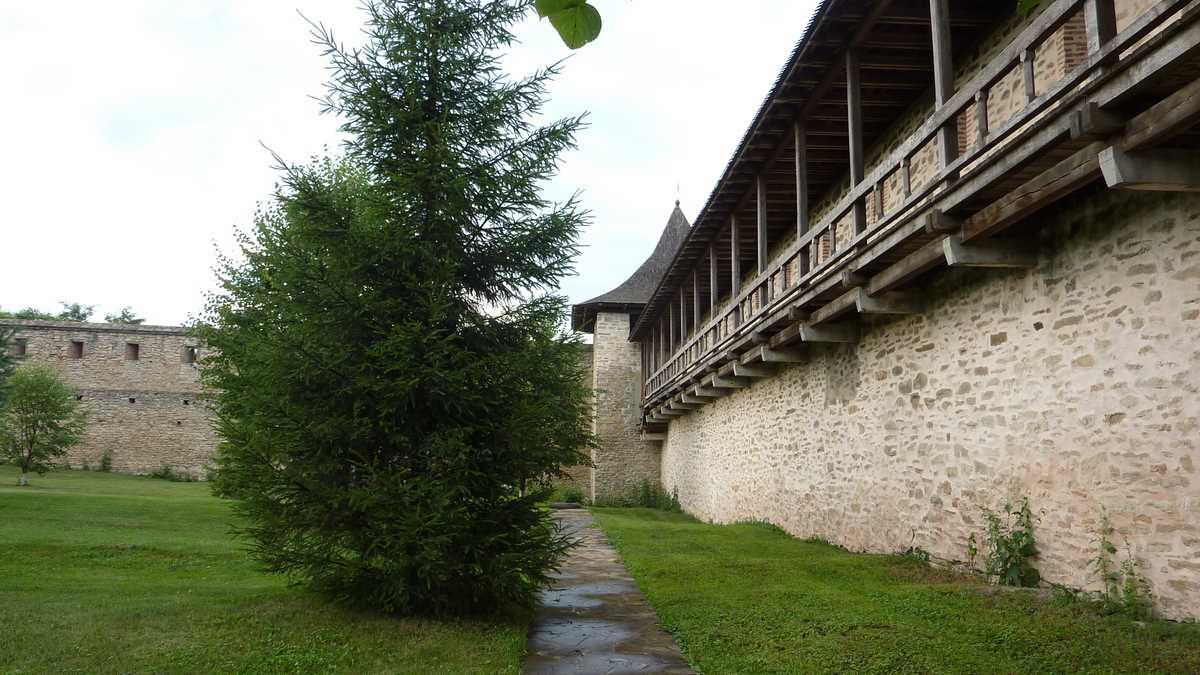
1157, 170
725, 382
677, 403
653, 438
836, 309
843, 334
911, 266
1093, 123
770, 355
688, 399
991, 253
708, 392
669, 412
852, 279
743, 370
893, 303
936, 222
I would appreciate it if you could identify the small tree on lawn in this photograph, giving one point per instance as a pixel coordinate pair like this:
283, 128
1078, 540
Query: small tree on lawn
387, 355
40, 420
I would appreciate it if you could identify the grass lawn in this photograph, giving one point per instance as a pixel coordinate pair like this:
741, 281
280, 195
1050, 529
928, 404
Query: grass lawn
750, 599
105, 573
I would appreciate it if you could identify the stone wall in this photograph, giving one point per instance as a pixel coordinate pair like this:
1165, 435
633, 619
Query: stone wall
623, 461
1076, 384
143, 411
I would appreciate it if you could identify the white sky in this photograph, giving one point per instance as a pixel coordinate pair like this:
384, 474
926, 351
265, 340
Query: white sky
132, 130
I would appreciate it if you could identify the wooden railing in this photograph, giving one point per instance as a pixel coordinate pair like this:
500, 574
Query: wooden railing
791, 271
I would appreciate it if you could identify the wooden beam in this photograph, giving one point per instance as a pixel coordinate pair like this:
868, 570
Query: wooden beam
1091, 122
1100, 19
801, 141
713, 277
855, 130
708, 392
678, 403
653, 438
936, 222
1047, 187
943, 77
692, 400
839, 334
851, 279
726, 382
889, 304
992, 253
1157, 170
667, 411
770, 355
1164, 119
760, 238
911, 266
743, 370
834, 310
735, 262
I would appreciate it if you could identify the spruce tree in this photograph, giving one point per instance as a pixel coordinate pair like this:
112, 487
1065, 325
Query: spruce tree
392, 384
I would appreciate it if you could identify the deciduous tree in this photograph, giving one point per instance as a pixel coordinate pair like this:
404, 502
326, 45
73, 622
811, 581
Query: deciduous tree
387, 352
40, 420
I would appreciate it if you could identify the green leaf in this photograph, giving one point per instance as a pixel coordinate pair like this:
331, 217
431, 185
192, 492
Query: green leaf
547, 8
577, 25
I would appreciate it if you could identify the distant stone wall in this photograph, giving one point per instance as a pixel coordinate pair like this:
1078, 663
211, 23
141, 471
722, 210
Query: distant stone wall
623, 461
1076, 384
142, 402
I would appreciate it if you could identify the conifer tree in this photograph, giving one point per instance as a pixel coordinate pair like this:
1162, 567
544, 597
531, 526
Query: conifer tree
391, 379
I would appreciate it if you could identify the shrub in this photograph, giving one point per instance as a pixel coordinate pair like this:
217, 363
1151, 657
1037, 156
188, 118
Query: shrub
1010, 545
106, 460
572, 494
167, 473
1126, 590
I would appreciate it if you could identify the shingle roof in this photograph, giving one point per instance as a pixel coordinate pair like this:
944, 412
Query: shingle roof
637, 289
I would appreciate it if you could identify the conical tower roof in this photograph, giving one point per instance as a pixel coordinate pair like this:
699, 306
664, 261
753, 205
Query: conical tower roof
632, 295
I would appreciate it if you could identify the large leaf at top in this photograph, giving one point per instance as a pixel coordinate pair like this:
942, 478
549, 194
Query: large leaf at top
577, 22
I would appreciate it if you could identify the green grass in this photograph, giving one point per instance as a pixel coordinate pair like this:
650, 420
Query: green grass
750, 599
102, 573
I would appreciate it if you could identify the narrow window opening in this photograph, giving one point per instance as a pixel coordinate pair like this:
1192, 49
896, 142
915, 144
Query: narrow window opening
75, 351
189, 354
178, 423
78, 397
133, 400
133, 351
186, 402
19, 347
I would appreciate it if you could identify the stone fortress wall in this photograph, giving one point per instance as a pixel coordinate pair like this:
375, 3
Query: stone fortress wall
1076, 384
140, 386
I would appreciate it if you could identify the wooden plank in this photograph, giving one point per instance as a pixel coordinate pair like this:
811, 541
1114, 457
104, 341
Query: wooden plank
1027, 74
911, 266
988, 254
1047, 187
1157, 170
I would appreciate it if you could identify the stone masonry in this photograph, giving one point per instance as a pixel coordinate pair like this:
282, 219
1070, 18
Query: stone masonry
1076, 384
139, 385
623, 461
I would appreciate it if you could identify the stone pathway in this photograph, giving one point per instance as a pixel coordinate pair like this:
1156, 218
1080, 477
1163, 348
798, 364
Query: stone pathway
593, 618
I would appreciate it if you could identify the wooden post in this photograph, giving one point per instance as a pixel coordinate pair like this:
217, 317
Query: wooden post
981, 117
1100, 17
1027, 75
906, 176
674, 327
761, 222
854, 118
736, 274
801, 136
712, 281
695, 300
683, 331
943, 77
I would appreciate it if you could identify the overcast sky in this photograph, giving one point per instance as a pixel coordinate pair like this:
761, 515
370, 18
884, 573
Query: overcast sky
132, 131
